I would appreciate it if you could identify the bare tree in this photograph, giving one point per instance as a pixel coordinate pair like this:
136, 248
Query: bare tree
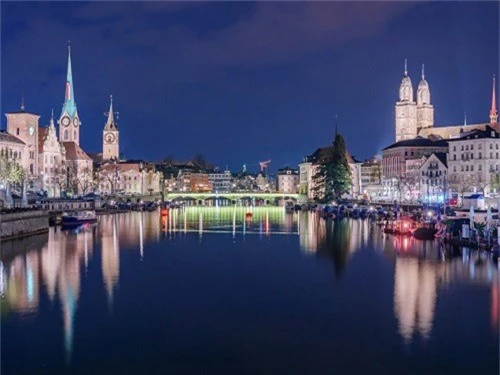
460, 185
169, 160
481, 183
200, 161
495, 182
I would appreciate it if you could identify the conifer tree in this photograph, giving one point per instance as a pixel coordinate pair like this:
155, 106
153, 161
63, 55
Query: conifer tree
333, 176
341, 173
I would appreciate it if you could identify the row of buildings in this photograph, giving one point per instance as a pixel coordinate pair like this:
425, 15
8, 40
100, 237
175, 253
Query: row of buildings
431, 164
55, 162
190, 177
426, 163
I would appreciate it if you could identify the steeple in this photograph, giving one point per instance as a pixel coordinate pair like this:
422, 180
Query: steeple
51, 124
110, 135
423, 73
110, 123
336, 126
406, 88
493, 110
22, 103
69, 105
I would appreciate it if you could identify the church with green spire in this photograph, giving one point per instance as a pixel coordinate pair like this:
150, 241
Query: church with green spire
69, 121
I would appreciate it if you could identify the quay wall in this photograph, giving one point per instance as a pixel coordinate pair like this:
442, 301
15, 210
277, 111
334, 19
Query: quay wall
20, 224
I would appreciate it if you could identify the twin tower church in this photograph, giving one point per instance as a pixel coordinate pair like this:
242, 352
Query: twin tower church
416, 118
55, 162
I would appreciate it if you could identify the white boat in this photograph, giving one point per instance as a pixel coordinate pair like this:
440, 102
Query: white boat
78, 217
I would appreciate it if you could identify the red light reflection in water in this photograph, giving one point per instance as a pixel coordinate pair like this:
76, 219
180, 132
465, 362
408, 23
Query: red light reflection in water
495, 300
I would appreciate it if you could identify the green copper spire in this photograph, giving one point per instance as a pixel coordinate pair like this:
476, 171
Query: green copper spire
69, 105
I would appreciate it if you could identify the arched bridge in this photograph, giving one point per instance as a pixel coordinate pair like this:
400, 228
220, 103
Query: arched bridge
202, 198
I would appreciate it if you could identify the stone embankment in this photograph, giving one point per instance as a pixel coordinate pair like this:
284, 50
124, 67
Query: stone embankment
23, 223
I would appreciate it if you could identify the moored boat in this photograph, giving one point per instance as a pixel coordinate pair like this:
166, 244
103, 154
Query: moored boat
74, 218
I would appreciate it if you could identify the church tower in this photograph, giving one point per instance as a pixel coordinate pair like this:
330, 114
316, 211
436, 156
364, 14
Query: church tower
406, 110
493, 110
425, 110
69, 122
110, 140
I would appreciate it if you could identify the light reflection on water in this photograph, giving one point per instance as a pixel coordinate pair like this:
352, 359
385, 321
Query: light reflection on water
55, 263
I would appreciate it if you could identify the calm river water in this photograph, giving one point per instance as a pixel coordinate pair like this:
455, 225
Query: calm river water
206, 291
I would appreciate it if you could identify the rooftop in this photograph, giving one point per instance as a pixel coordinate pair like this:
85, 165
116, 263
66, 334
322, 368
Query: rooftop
325, 154
74, 152
487, 132
6, 137
418, 142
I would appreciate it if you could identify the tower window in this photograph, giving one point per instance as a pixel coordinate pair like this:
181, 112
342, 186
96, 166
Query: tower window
65, 135
17, 131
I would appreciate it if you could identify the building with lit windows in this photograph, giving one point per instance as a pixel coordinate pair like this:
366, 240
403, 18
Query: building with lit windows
288, 180
433, 178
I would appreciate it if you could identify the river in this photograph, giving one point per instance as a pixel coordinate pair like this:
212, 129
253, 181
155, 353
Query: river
208, 291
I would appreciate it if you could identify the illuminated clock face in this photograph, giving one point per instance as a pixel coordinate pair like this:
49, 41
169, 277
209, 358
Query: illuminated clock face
32, 130
75, 121
65, 121
110, 138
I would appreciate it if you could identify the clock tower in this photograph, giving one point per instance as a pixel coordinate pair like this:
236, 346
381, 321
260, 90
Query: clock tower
69, 122
110, 140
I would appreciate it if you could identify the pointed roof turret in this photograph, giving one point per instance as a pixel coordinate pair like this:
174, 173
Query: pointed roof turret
406, 88
69, 105
493, 110
51, 124
110, 123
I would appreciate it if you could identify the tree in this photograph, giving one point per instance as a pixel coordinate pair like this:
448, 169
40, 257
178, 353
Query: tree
332, 178
323, 186
482, 183
200, 161
460, 185
107, 176
169, 160
495, 182
11, 173
342, 180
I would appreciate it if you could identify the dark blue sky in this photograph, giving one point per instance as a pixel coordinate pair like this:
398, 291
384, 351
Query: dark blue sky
243, 82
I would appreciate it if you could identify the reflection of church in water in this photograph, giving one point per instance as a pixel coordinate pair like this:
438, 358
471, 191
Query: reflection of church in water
55, 262
420, 268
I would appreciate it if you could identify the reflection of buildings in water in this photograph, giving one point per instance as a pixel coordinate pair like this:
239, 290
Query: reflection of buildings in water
415, 296
312, 230
264, 220
420, 268
21, 282
346, 236
329, 238
288, 221
110, 255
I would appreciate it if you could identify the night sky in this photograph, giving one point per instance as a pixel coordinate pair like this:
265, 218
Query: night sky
243, 82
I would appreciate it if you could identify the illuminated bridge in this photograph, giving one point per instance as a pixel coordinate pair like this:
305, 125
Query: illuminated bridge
232, 198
